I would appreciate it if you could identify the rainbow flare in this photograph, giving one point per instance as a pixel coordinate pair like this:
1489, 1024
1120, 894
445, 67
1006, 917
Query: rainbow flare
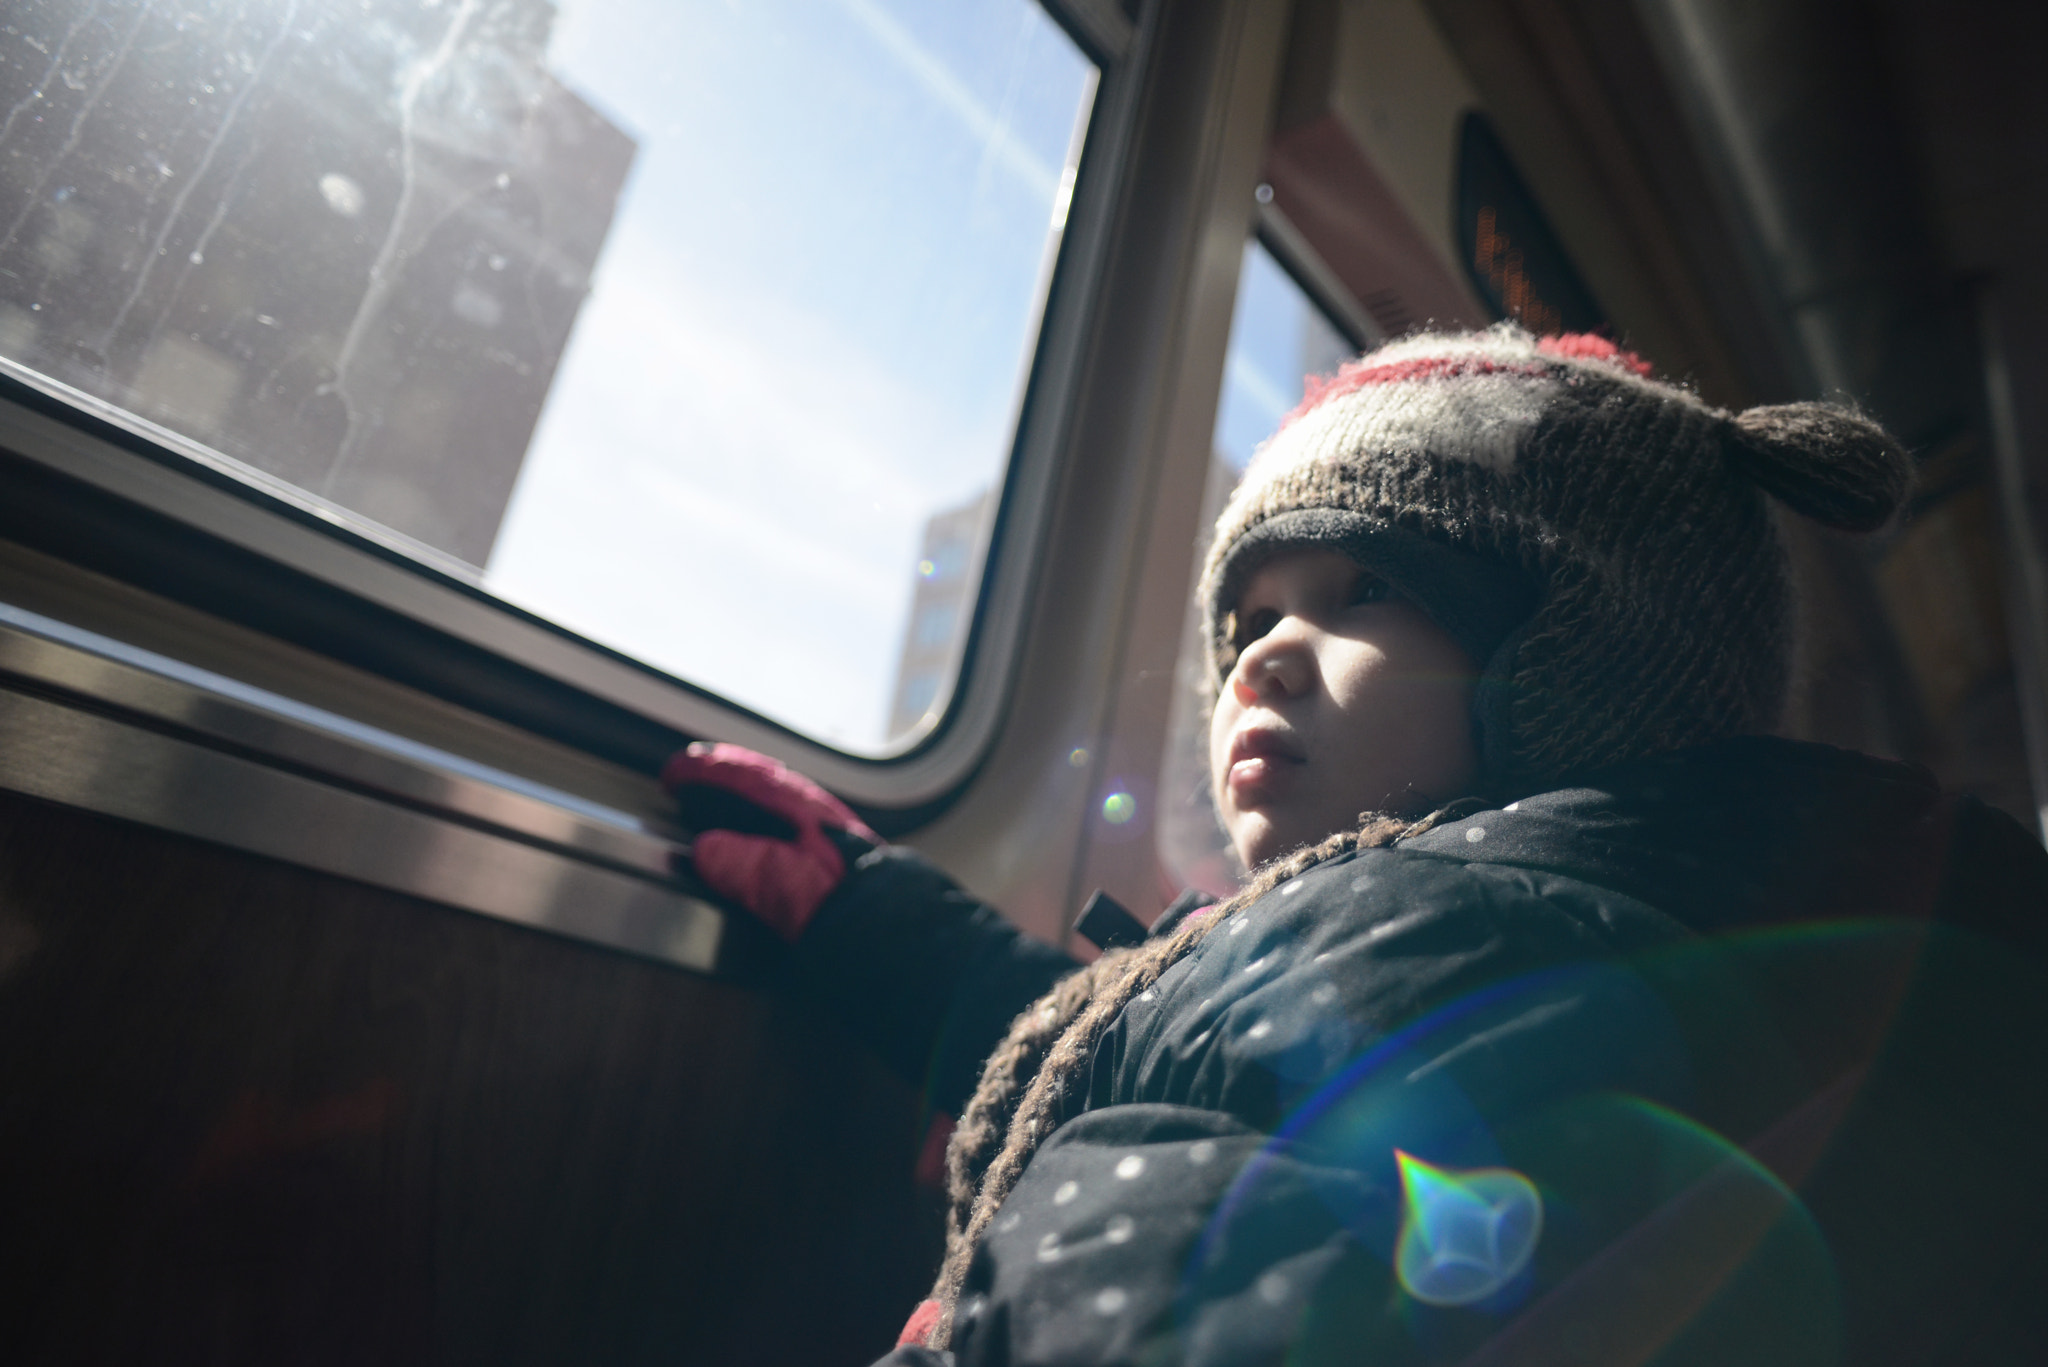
1464, 1235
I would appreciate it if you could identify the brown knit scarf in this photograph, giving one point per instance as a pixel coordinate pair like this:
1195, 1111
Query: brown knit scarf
1037, 1077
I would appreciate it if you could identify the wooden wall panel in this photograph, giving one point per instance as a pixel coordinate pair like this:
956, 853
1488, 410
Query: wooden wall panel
252, 1114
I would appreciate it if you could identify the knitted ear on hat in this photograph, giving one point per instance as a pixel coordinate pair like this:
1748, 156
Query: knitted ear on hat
1827, 463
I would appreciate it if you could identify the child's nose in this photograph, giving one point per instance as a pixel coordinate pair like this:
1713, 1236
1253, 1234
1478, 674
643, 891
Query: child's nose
1277, 665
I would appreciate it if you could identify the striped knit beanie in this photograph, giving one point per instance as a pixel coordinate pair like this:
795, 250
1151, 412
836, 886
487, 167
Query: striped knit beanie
1598, 541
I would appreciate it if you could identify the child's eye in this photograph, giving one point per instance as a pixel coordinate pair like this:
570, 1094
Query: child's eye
1250, 626
1369, 588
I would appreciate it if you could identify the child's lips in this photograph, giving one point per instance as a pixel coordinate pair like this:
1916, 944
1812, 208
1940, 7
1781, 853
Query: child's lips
1255, 781
1261, 763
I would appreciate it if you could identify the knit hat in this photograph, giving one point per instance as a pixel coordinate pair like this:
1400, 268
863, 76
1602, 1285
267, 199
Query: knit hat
1598, 541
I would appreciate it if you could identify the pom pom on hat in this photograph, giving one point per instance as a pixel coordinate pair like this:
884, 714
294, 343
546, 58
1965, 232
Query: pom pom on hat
1591, 346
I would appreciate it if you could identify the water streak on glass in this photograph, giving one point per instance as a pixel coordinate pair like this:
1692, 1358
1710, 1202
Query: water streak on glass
696, 327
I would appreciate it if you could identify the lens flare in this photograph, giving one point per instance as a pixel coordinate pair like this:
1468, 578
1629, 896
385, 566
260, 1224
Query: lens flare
1119, 808
1464, 1235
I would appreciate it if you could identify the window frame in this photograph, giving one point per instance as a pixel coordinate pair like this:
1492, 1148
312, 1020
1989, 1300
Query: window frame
1274, 231
118, 494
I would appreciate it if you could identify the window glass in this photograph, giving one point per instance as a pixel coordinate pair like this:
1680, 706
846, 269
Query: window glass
698, 328
1278, 336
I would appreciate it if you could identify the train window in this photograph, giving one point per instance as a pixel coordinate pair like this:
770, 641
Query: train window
1278, 335
696, 329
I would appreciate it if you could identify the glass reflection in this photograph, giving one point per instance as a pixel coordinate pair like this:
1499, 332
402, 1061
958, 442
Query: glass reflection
680, 324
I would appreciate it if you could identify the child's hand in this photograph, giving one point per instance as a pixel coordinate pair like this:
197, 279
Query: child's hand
761, 832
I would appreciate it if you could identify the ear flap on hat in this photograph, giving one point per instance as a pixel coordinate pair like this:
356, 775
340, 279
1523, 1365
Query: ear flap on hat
1828, 463
1493, 718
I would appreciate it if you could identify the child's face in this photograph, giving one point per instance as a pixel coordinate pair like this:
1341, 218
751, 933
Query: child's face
1343, 700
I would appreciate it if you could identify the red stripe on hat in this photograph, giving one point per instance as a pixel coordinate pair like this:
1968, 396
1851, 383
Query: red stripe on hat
1355, 375
1591, 346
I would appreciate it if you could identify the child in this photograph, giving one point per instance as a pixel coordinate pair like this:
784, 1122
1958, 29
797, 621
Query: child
1565, 1016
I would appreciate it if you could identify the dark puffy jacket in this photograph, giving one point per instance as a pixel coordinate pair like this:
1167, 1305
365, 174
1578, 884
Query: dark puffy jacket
1734, 1055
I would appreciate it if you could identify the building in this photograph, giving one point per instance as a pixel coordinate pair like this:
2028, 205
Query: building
948, 577
343, 245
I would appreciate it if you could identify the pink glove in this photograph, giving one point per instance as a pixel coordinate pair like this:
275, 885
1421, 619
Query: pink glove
781, 880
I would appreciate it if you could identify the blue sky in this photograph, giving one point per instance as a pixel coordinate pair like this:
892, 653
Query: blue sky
1277, 336
805, 336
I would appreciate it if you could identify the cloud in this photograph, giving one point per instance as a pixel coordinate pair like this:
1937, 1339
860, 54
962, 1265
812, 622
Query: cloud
719, 487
